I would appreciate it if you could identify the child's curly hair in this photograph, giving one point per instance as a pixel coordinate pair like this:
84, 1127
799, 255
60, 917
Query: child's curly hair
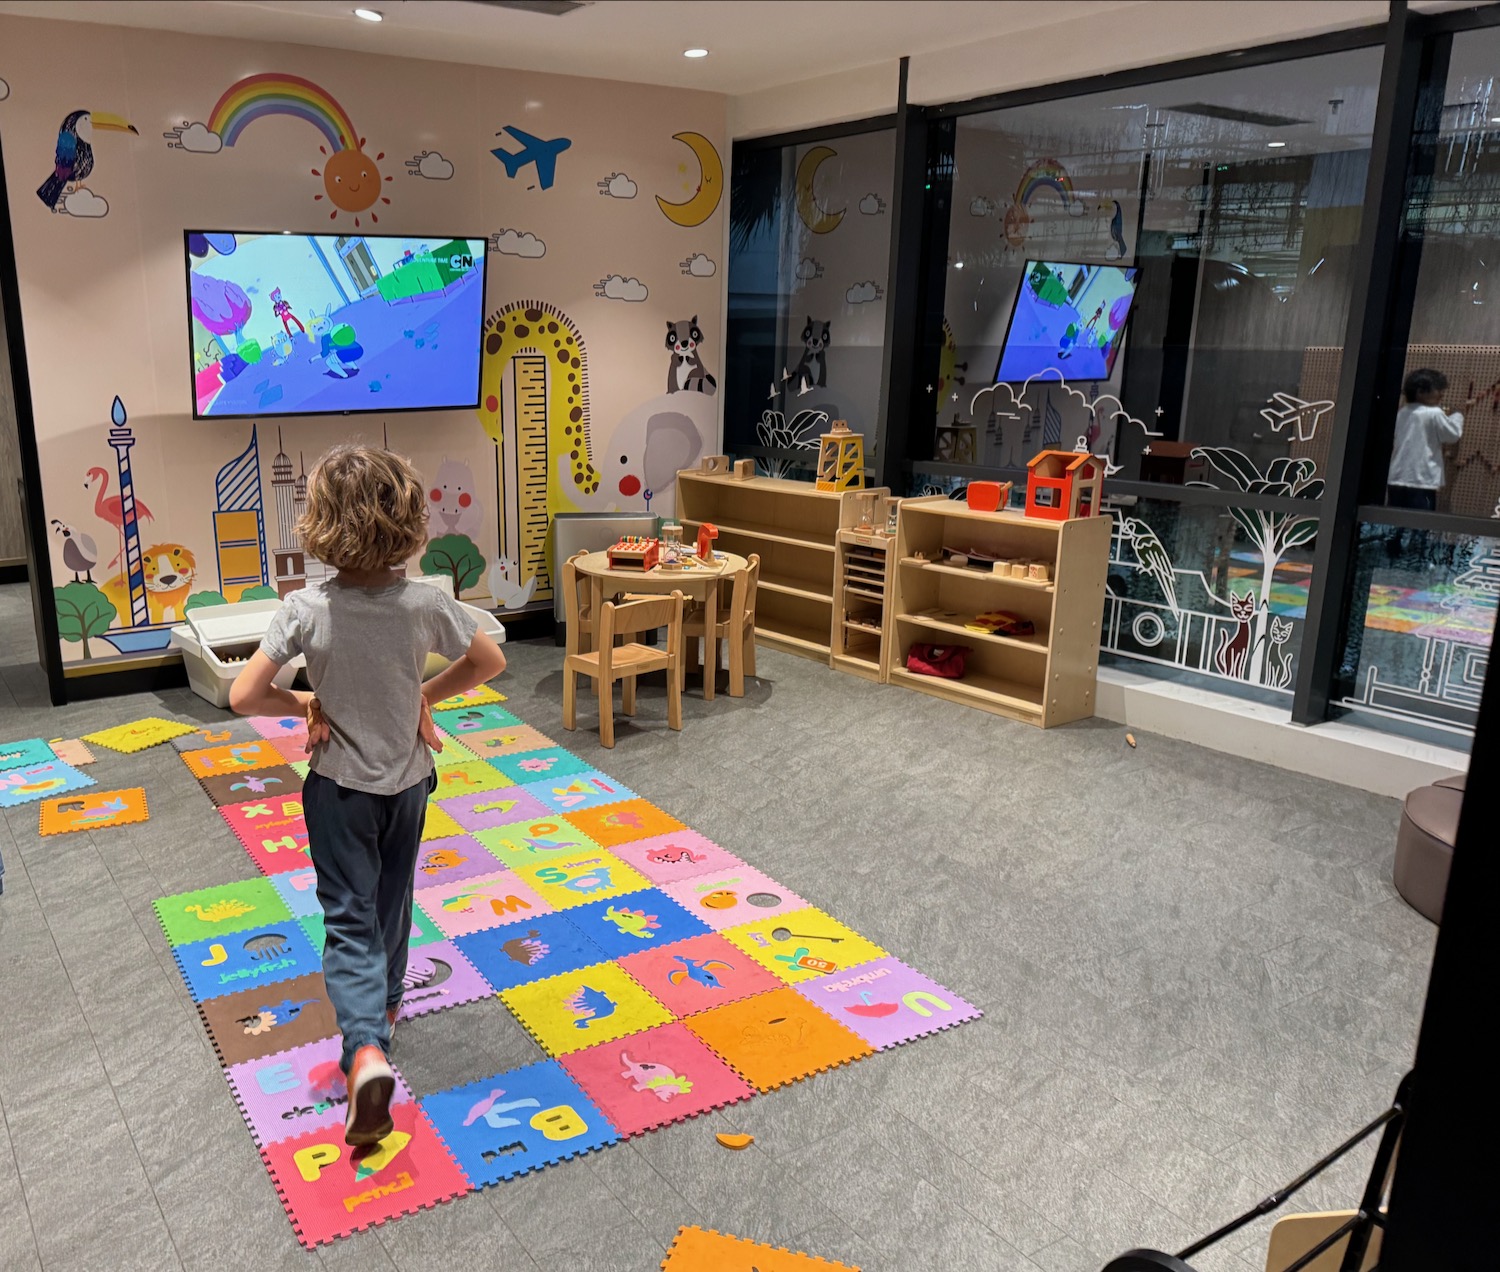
366, 509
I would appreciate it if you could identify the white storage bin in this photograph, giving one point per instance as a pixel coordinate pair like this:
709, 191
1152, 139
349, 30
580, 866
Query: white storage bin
216, 642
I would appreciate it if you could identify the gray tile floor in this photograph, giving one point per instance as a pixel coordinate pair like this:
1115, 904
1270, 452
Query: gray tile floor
1196, 973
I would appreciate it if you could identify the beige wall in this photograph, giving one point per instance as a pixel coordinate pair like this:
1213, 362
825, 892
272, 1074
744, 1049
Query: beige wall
104, 297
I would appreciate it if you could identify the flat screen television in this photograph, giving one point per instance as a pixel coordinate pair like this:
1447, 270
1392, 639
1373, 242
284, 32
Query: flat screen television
1067, 317
333, 324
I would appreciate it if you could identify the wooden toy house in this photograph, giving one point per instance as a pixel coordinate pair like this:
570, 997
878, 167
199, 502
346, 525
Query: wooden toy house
1064, 484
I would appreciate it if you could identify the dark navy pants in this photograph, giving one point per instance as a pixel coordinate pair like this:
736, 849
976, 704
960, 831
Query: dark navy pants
364, 848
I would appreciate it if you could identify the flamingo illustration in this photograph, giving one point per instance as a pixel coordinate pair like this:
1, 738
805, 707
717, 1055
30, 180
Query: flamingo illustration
109, 509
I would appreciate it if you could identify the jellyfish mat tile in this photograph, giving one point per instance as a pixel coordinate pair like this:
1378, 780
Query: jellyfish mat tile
330, 1189
501, 1127
262, 955
777, 1037
684, 854
578, 1009
656, 1077
520, 952
228, 907
693, 975
887, 1003
641, 920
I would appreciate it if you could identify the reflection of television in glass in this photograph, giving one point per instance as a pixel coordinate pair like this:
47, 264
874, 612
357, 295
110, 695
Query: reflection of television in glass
319, 324
1069, 318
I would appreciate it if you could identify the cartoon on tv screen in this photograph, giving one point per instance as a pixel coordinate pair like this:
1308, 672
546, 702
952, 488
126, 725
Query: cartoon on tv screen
1068, 317
306, 324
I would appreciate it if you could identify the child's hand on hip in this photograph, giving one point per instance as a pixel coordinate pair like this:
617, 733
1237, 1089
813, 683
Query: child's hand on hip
317, 725
427, 731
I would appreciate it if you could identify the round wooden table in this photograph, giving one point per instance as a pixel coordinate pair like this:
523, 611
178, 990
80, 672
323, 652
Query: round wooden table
699, 583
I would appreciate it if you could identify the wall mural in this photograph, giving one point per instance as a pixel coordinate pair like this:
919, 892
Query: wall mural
705, 193
73, 162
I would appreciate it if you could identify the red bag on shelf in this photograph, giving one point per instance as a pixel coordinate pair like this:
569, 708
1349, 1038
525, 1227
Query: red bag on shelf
944, 661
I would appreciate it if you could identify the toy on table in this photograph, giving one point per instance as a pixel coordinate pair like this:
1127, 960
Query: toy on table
707, 533
671, 547
1064, 484
988, 496
634, 552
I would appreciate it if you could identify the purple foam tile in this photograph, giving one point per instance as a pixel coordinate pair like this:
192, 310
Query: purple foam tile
438, 976
294, 1091
485, 810
446, 861
886, 1002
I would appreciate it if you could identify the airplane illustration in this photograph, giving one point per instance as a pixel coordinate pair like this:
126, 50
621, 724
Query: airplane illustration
534, 151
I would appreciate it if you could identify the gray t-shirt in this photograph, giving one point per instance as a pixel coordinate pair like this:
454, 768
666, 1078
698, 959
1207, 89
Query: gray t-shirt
366, 648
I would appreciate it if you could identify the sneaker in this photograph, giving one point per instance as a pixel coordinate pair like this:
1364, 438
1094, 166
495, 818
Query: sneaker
371, 1085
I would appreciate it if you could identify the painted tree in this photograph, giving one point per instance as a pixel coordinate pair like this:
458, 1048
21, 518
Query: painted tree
82, 611
457, 556
199, 600
1272, 533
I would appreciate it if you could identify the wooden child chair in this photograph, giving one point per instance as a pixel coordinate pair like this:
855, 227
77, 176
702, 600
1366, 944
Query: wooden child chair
578, 614
609, 662
736, 626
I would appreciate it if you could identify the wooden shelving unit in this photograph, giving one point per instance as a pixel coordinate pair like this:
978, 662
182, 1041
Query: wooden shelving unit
794, 527
862, 615
1045, 679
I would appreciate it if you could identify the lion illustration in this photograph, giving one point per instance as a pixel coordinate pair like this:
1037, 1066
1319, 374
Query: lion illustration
170, 569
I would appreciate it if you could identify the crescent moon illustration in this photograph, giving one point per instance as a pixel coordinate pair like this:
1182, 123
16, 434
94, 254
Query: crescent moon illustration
705, 200
816, 217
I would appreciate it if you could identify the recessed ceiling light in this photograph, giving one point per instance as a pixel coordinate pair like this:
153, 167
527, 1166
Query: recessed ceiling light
694, 52
1275, 145
370, 15
958, 264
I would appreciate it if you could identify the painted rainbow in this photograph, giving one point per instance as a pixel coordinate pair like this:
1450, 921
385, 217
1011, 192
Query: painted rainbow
259, 96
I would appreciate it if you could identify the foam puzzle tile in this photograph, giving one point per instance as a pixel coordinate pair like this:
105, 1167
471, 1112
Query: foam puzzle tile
575, 880
424, 929
475, 697
641, 920
262, 955
653, 1078
26, 751
730, 897
620, 823
803, 945
501, 1127
582, 790
473, 718
137, 735
229, 907
777, 1037
704, 1250
486, 810
292, 750
671, 858
293, 1092
93, 811
514, 740
439, 825
299, 889
274, 727
207, 735
272, 830
444, 861
469, 778
232, 757
577, 1009
520, 952
487, 901
330, 1189
31, 782
238, 788
535, 843
258, 1022
887, 1003
302, 768
540, 765
71, 751
705, 971
453, 752
439, 976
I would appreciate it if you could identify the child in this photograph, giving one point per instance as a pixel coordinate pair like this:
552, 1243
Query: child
366, 634
1423, 428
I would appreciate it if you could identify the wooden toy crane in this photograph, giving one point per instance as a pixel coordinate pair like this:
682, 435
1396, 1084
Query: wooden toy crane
841, 459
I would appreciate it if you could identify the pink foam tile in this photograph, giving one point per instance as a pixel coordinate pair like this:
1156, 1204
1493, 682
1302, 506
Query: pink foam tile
734, 895
293, 1092
273, 727
272, 830
698, 973
671, 858
441, 862
652, 1078
485, 810
293, 748
486, 901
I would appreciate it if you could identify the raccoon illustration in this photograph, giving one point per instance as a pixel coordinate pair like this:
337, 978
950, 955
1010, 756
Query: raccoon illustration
812, 371
686, 372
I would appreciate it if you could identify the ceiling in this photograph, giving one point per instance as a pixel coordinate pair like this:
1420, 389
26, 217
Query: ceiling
753, 44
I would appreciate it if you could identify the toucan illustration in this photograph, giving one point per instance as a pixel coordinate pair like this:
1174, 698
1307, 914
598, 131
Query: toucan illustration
75, 156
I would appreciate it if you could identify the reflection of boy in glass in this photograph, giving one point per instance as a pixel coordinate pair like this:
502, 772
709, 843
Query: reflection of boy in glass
1423, 428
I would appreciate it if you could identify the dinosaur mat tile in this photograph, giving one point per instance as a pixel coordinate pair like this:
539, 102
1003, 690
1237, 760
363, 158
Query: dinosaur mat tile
488, 809
656, 1077
272, 830
330, 1189
576, 880
777, 1037
512, 740
577, 792
475, 697
232, 757
444, 861
620, 823
93, 811
228, 907
803, 945
739, 894
468, 778
261, 955
137, 735
31, 782
515, 1122
640, 920
535, 843
480, 717
578, 1009
290, 1093
702, 972
438, 976
671, 858
540, 765
486, 901
279, 781
887, 1003
31, 751
258, 1022
704, 1250
521, 952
